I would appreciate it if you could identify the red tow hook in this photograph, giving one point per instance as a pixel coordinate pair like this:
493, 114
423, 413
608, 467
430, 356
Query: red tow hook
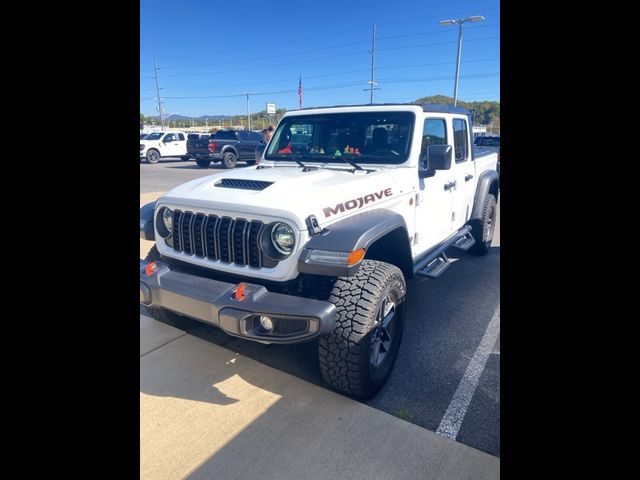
150, 269
239, 293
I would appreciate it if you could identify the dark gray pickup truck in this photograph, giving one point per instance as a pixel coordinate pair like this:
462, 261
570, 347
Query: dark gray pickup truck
226, 146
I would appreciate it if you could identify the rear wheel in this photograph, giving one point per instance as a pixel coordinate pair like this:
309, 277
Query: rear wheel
203, 163
229, 160
358, 356
482, 228
153, 156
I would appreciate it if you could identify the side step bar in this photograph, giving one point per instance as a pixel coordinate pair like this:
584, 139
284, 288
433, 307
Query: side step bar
464, 243
436, 262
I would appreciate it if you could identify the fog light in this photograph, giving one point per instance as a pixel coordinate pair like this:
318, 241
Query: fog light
266, 323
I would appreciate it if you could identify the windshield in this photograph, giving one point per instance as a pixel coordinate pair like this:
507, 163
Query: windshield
154, 136
363, 137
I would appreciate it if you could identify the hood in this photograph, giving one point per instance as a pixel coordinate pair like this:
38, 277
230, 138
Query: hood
287, 192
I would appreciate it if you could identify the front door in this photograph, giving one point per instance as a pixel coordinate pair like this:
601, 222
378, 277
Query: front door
434, 204
171, 145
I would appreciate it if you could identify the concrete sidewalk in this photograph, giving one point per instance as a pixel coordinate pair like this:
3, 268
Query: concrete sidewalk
207, 412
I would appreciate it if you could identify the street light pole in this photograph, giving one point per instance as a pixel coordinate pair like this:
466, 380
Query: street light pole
459, 22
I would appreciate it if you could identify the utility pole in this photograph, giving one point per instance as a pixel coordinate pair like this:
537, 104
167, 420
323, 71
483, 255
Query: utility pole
248, 114
372, 83
155, 67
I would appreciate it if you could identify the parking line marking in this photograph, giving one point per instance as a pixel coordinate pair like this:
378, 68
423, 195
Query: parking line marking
453, 417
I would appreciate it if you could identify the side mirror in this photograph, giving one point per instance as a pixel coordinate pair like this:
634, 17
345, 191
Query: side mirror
259, 151
438, 157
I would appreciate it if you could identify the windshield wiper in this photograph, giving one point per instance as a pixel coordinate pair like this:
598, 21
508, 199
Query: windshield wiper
350, 162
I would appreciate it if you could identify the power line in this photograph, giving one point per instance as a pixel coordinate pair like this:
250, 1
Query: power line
355, 28
324, 75
301, 52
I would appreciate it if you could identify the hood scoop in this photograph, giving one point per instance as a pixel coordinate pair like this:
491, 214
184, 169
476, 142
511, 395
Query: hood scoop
242, 184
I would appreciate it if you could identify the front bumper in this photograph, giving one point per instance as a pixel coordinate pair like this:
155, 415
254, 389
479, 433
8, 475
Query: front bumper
295, 319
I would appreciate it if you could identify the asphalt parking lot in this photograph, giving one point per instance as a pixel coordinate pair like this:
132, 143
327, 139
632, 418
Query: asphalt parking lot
447, 375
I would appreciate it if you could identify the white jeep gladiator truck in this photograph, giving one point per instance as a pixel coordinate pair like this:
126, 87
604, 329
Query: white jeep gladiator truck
316, 242
157, 145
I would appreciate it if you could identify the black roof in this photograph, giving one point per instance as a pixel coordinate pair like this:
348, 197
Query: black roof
426, 107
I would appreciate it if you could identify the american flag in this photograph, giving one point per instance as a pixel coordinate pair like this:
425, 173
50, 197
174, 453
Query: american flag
300, 91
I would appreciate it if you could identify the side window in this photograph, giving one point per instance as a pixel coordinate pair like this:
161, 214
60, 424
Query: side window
256, 137
434, 133
460, 140
170, 138
180, 137
243, 136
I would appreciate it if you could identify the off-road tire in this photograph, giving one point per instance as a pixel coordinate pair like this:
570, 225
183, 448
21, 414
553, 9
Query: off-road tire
161, 314
482, 228
153, 156
229, 160
203, 163
346, 352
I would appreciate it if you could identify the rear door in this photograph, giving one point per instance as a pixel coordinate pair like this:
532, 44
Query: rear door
181, 148
434, 204
463, 171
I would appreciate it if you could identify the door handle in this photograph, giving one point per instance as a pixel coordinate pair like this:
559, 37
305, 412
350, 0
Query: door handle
468, 177
449, 186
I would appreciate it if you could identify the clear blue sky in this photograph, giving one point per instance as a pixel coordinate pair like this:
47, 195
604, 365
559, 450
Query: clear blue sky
210, 48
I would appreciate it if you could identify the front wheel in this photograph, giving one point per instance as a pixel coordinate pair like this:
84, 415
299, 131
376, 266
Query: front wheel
203, 163
153, 156
482, 228
358, 356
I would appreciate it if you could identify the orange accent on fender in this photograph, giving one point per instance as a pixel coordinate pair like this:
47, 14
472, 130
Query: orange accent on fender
355, 257
239, 293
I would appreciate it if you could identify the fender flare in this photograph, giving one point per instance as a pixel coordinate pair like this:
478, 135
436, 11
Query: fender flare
146, 221
353, 233
233, 149
488, 182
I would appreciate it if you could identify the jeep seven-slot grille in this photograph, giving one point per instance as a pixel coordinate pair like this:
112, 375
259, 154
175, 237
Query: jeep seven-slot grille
218, 238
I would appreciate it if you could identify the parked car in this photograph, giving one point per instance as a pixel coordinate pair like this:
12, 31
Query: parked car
490, 143
157, 145
318, 243
142, 135
226, 146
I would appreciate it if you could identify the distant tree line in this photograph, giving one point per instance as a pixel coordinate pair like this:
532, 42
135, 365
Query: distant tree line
482, 113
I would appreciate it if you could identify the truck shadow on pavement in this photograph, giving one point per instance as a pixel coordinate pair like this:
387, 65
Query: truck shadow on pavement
222, 405
445, 321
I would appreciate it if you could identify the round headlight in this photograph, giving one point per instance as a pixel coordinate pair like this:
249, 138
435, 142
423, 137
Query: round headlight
167, 219
164, 222
283, 238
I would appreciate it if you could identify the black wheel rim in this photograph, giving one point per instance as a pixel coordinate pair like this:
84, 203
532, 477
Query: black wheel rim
382, 334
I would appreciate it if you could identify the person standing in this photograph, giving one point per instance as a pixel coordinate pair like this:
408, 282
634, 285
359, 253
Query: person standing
267, 133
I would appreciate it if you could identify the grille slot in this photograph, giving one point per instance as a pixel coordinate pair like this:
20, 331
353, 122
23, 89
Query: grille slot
225, 239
